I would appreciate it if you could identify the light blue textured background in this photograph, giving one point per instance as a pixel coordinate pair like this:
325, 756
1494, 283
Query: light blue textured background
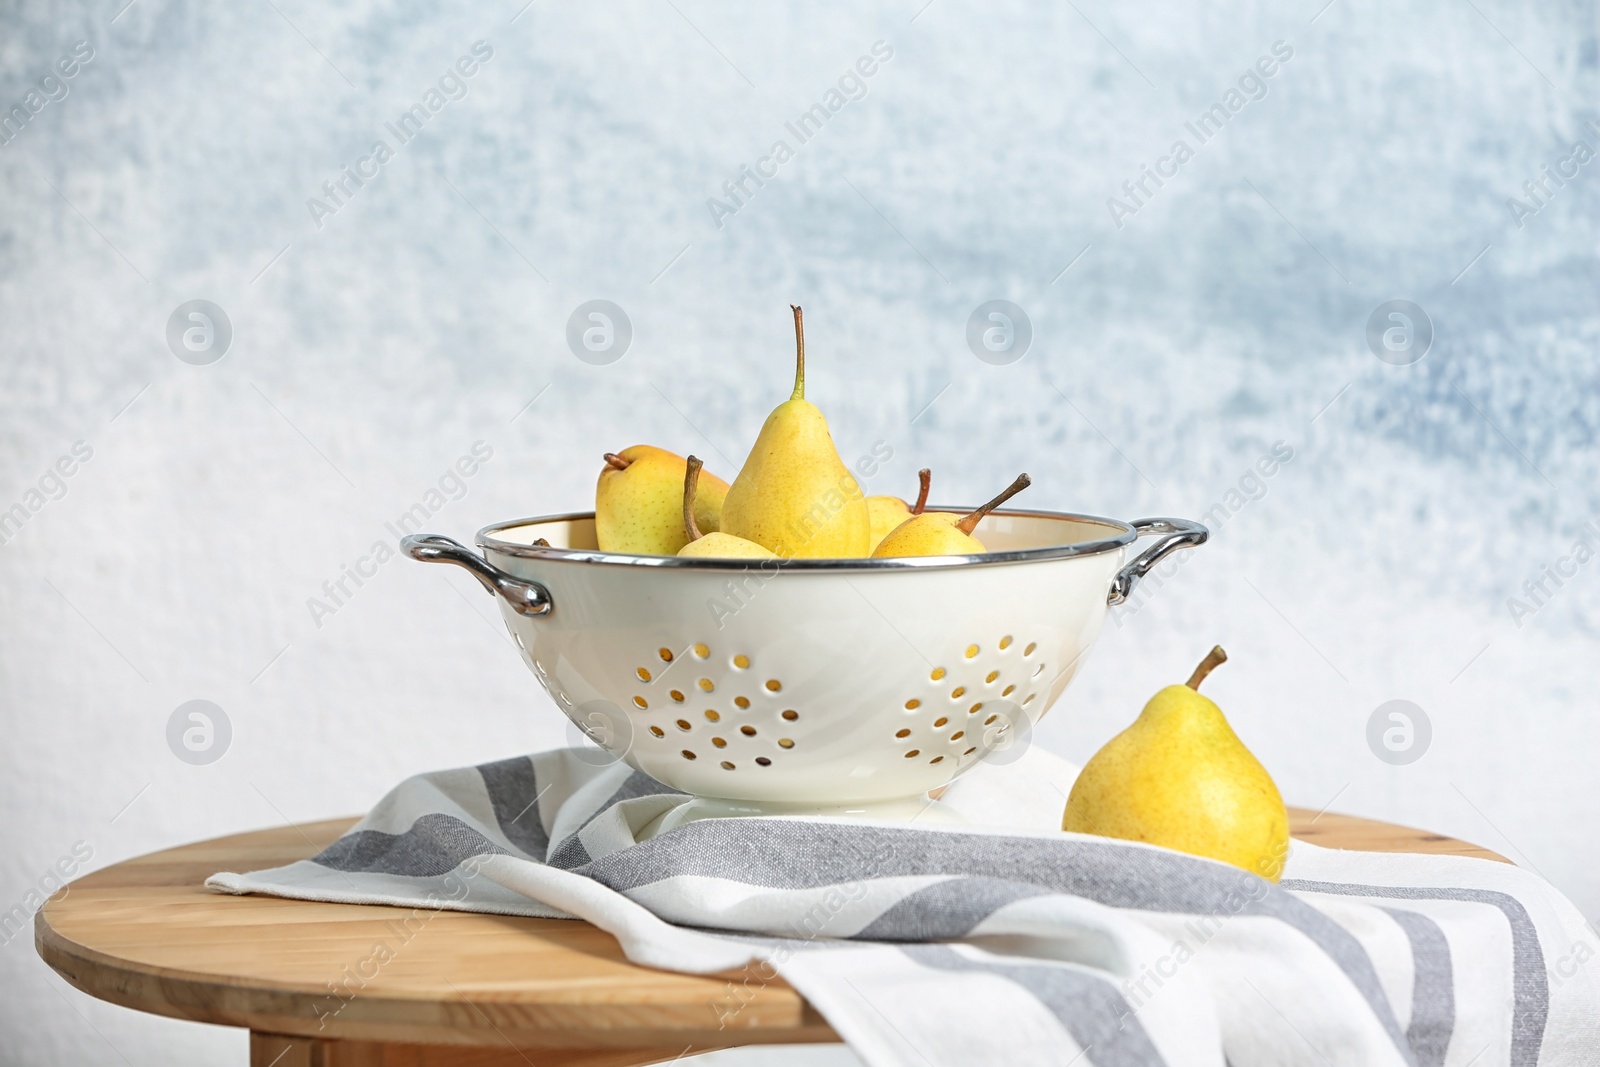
369, 353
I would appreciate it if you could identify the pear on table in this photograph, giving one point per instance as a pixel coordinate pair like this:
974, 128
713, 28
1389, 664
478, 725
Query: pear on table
794, 496
943, 533
884, 513
714, 545
1181, 778
638, 502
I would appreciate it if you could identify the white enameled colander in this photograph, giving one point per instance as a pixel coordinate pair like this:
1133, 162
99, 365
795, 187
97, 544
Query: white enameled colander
810, 685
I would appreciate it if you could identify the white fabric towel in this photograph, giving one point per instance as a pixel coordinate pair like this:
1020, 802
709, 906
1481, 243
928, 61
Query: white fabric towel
1005, 942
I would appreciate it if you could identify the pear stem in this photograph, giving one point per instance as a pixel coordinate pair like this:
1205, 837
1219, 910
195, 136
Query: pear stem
1214, 659
616, 462
799, 355
925, 476
691, 482
969, 523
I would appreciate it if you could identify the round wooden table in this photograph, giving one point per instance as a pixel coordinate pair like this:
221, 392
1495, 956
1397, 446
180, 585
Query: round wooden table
464, 991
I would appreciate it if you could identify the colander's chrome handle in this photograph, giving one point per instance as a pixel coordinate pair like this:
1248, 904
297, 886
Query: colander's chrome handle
1176, 534
525, 597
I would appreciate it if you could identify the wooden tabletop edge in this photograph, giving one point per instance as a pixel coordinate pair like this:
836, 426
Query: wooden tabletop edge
1306, 824
208, 998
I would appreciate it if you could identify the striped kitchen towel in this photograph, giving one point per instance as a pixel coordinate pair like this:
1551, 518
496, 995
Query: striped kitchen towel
1004, 941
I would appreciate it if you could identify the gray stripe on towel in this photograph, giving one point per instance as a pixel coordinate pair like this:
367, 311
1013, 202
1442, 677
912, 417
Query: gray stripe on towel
514, 793
435, 844
945, 910
784, 854
1433, 990
1089, 1007
1530, 983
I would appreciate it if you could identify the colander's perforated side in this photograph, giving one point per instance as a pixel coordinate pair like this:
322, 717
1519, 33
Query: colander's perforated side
717, 701
946, 716
722, 706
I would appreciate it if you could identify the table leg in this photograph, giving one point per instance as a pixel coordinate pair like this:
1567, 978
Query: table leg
278, 1050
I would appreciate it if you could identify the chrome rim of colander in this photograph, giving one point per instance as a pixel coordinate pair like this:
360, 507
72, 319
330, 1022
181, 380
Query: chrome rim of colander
1124, 533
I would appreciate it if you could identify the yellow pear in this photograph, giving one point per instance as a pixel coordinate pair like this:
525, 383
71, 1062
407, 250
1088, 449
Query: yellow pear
794, 496
714, 545
1181, 778
943, 533
884, 513
638, 502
